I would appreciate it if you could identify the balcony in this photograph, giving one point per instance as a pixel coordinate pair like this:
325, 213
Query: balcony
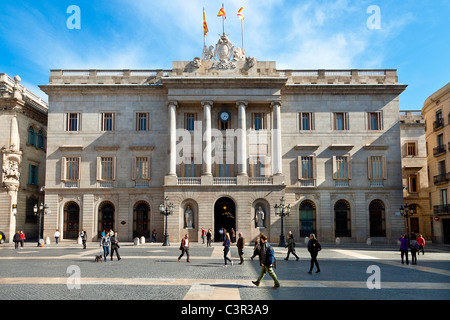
260, 180
224, 181
189, 181
438, 124
441, 178
439, 150
441, 209
376, 183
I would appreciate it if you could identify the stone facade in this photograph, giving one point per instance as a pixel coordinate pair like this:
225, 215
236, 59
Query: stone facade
23, 134
225, 139
436, 111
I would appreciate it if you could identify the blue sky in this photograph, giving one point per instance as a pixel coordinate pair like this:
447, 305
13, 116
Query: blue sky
298, 34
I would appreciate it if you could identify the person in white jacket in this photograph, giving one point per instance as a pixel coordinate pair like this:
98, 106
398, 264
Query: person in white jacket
57, 235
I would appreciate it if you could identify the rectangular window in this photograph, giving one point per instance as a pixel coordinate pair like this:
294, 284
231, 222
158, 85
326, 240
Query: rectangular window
189, 121
142, 121
33, 175
442, 167
374, 120
443, 197
107, 121
73, 122
142, 169
72, 171
259, 167
106, 168
411, 149
413, 185
341, 167
306, 168
440, 140
377, 167
341, 121
190, 168
306, 121
258, 121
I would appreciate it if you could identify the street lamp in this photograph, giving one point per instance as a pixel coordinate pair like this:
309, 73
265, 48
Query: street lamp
166, 210
282, 210
407, 211
41, 210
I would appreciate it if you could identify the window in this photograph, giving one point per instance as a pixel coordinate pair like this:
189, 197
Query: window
411, 149
141, 169
33, 175
374, 121
31, 136
442, 167
142, 121
189, 168
444, 197
71, 168
341, 121
73, 122
306, 121
377, 168
106, 168
107, 121
258, 121
189, 121
413, 183
259, 167
439, 120
342, 168
440, 140
40, 140
306, 168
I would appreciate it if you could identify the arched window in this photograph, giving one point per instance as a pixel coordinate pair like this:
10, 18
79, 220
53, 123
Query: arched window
40, 140
377, 219
307, 213
342, 219
31, 136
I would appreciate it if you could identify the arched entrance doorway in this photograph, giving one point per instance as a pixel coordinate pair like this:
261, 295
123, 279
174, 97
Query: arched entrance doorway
105, 217
141, 220
224, 216
71, 220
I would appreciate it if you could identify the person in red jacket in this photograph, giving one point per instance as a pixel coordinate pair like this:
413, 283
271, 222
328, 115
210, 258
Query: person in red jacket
421, 242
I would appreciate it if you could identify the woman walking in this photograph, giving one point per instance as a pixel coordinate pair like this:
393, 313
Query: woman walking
208, 238
313, 248
291, 247
256, 248
404, 245
16, 239
226, 249
184, 247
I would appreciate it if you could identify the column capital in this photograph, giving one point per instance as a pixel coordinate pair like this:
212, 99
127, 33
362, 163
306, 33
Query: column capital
172, 103
241, 102
275, 103
208, 102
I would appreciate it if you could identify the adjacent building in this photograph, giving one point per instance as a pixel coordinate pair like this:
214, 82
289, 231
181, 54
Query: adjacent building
437, 124
23, 139
225, 137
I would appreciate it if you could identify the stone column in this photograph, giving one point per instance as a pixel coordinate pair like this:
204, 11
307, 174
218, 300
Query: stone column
207, 158
276, 139
242, 138
173, 138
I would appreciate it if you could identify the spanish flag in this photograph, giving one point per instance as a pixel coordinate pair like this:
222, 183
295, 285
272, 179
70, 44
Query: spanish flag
240, 14
205, 25
222, 13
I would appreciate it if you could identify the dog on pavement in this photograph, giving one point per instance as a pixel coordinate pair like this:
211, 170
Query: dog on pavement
99, 258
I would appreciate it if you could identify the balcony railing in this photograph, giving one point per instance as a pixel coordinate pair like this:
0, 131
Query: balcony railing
438, 124
260, 180
441, 178
72, 184
439, 150
308, 183
225, 181
106, 184
376, 183
441, 209
183, 181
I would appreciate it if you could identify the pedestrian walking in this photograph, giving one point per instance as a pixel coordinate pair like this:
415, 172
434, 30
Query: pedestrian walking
314, 247
226, 248
233, 235
153, 236
256, 248
404, 248
240, 245
57, 235
208, 238
267, 262
83, 236
203, 235
16, 240
221, 234
105, 243
184, 247
115, 246
291, 246
414, 249
22, 239
421, 243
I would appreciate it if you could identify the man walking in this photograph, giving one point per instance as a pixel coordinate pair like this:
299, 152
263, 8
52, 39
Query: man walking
291, 246
115, 246
240, 245
83, 236
184, 247
267, 261
106, 244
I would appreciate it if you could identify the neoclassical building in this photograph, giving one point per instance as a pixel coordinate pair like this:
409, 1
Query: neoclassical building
23, 137
437, 135
225, 137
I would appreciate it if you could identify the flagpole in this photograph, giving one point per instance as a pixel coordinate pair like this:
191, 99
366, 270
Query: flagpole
204, 36
242, 31
223, 21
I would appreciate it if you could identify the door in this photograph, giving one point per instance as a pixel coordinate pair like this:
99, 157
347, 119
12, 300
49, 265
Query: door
446, 229
71, 221
224, 216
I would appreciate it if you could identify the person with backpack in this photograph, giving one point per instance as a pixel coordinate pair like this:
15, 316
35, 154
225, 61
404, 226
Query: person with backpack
291, 246
16, 240
414, 249
267, 262
83, 236
314, 247
105, 243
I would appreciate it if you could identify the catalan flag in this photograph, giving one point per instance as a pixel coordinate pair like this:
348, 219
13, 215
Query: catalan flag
240, 14
222, 13
205, 25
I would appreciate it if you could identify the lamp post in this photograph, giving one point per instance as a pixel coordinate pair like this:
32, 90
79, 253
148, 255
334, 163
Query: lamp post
166, 210
407, 211
282, 210
40, 211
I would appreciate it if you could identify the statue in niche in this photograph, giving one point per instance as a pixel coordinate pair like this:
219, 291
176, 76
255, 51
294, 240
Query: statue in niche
11, 171
189, 217
259, 217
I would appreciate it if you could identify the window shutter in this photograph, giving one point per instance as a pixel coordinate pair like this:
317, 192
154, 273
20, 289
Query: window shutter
349, 168
149, 168
334, 167
79, 169
63, 169
383, 159
114, 168
314, 167
99, 168
369, 167
299, 167
133, 168
251, 167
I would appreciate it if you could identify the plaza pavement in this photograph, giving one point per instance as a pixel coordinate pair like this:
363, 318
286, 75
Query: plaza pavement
152, 272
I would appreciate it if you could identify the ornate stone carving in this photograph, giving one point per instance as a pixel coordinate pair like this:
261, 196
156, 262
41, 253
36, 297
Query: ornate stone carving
11, 171
197, 62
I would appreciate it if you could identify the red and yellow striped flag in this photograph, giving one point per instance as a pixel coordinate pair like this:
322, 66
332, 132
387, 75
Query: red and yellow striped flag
222, 13
240, 14
205, 25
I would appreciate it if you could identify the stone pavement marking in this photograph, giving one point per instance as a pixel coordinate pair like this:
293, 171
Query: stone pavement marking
355, 254
204, 291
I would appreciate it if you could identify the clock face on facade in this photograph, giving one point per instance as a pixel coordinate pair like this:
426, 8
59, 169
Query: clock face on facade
224, 116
